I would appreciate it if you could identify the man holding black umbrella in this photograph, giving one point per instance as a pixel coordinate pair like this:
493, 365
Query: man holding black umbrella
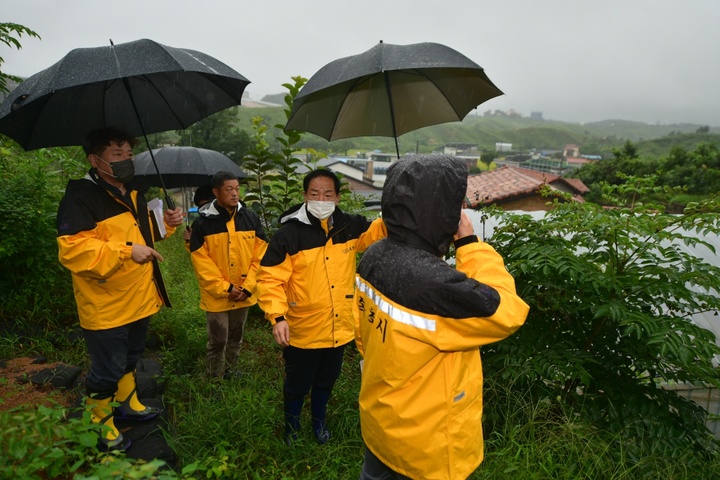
105, 238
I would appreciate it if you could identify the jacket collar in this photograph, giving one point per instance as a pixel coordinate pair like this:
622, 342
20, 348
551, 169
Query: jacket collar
211, 209
114, 191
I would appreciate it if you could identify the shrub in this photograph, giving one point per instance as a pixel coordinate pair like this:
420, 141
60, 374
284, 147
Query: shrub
45, 444
33, 184
611, 292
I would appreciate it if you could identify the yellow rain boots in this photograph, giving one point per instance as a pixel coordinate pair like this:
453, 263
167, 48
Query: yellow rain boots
101, 412
130, 407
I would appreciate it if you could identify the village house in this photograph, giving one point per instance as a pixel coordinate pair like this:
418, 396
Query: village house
515, 188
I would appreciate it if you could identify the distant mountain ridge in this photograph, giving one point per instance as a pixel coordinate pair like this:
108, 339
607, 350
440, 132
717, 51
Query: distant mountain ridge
485, 131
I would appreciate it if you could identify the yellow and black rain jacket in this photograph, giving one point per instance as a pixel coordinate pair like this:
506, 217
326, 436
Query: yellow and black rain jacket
307, 275
420, 321
97, 227
225, 249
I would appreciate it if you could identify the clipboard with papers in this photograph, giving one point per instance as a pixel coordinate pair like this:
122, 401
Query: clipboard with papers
156, 207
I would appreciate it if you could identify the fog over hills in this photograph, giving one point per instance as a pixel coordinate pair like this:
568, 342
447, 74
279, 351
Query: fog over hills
651, 61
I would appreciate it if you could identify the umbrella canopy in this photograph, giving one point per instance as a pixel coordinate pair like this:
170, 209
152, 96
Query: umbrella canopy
142, 87
390, 90
183, 166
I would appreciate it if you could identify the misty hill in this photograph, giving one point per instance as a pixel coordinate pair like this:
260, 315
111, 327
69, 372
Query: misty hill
522, 132
486, 130
658, 147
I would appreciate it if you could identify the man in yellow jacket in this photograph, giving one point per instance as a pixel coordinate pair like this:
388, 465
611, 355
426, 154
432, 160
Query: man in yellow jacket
306, 291
105, 238
226, 245
419, 323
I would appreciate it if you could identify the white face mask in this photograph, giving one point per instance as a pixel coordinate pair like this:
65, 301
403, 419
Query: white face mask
319, 209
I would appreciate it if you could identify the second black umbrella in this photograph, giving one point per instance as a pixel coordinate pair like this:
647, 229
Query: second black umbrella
390, 90
183, 166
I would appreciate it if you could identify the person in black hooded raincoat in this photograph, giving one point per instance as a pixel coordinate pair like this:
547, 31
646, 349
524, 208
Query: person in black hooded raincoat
420, 321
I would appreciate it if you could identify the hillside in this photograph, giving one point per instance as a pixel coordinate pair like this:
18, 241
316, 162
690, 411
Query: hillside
524, 133
688, 141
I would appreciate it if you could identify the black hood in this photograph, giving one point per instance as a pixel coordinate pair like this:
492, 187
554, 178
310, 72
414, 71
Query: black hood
421, 200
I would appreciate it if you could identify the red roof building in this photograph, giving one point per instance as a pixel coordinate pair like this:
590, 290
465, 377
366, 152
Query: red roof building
514, 188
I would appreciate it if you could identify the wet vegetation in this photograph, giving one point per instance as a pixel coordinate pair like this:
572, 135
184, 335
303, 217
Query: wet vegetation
576, 393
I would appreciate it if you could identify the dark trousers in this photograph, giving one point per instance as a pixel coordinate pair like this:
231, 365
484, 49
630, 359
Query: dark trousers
113, 353
309, 370
374, 469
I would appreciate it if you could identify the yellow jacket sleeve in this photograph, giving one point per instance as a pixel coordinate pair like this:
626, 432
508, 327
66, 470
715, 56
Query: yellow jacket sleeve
375, 232
209, 276
86, 255
272, 284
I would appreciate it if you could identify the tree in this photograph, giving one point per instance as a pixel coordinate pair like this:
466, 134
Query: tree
611, 292
273, 184
698, 170
10, 34
628, 151
219, 132
625, 161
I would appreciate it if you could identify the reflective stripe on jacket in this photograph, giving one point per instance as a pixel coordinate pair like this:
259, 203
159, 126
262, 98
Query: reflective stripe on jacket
96, 230
226, 249
421, 395
307, 275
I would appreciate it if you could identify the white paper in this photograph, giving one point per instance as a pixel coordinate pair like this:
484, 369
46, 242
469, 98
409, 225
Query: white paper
156, 207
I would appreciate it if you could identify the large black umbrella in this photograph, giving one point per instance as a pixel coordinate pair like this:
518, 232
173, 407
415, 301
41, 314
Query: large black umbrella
183, 166
390, 90
142, 87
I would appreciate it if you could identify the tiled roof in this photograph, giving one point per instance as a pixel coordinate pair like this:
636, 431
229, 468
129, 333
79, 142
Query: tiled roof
577, 184
508, 182
578, 160
361, 185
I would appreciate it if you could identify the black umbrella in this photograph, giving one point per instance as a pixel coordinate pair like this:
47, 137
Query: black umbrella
183, 166
142, 87
390, 90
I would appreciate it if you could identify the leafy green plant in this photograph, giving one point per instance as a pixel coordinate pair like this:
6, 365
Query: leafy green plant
611, 292
31, 189
289, 184
274, 184
10, 34
44, 443
697, 171
261, 165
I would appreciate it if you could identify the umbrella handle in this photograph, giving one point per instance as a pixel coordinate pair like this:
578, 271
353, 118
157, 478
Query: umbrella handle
170, 202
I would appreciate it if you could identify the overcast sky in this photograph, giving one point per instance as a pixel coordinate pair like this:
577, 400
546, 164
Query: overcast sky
655, 61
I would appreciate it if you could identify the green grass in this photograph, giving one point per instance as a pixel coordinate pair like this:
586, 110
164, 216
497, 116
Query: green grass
233, 429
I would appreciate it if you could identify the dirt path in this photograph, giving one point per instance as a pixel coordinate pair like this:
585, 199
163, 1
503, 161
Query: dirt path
16, 389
